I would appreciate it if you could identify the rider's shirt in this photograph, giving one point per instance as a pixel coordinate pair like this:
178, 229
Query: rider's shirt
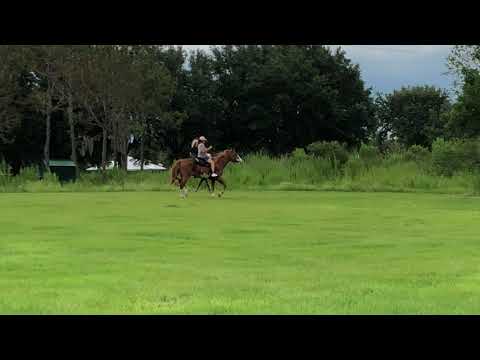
202, 151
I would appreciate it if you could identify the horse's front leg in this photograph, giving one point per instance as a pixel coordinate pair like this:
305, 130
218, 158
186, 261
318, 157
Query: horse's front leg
222, 181
206, 183
208, 186
213, 186
200, 183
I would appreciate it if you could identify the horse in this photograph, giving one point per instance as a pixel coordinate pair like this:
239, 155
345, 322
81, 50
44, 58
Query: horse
184, 169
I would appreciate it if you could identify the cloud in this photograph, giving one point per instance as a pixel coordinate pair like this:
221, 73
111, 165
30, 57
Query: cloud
372, 51
389, 67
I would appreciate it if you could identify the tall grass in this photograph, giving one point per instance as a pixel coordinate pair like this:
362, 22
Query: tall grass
411, 170
390, 173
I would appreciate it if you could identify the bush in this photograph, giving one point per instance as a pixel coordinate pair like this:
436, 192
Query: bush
331, 150
299, 154
476, 184
5, 173
393, 158
393, 147
50, 178
417, 153
29, 173
449, 157
369, 154
354, 167
5, 169
365, 170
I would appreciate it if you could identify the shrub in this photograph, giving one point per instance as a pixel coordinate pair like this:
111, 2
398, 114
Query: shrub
299, 153
365, 170
5, 173
393, 158
50, 178
331, 150
449, 157
393, 147
354, 167
369, 154
476, 184
29, 173
5, 169
417, 153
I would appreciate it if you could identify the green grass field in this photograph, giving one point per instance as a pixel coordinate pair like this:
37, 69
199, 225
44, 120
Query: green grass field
247, 253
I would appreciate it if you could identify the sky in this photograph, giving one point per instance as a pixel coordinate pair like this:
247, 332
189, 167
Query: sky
388, 67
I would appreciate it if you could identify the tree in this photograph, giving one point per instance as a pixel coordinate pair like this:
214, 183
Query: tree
174, 136
413, 115
99, 83
21, 130
68, 64
463, 59
9, 92
47, 97
463, 120
282, 97
203, 104
152, 97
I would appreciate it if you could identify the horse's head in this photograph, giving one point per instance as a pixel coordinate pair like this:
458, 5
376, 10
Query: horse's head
233, 156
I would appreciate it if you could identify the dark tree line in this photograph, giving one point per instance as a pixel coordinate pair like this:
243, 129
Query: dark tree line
97, 103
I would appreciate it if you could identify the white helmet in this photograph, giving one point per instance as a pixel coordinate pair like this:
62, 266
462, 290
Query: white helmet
202, 138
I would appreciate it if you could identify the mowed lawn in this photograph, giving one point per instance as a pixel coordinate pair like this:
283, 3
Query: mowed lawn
247, 253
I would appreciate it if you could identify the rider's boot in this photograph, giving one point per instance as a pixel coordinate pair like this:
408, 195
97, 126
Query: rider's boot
213, 172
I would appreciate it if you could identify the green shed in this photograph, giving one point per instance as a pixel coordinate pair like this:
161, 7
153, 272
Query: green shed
64, 169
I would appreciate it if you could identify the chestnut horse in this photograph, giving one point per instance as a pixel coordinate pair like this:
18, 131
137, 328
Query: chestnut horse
184, 169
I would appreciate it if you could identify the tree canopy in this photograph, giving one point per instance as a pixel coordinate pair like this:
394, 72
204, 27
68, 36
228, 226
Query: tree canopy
96, 103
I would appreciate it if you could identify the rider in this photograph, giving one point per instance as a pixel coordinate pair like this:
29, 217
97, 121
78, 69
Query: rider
194, 149
203, 153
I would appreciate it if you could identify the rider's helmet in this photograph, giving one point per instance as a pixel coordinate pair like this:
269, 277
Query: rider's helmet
203, 138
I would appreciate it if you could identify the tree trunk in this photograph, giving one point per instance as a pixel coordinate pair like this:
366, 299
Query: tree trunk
73, 141
104, 149
125, 155
46, 149
142, 152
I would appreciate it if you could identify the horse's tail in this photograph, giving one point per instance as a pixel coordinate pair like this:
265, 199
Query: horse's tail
175, 171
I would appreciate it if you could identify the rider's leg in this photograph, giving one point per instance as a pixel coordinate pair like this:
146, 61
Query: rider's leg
212, 164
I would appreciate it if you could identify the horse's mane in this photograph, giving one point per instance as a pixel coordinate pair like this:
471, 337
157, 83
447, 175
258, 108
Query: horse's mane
218, 154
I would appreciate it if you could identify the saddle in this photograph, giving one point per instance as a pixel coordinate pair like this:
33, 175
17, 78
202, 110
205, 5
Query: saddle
199, 161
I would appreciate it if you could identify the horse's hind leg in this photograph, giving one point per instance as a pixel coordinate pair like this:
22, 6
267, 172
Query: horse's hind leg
183, 192
203, 180
199, 184
183, 189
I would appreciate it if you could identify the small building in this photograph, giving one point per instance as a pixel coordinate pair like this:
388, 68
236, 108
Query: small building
133, 165
64, 169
